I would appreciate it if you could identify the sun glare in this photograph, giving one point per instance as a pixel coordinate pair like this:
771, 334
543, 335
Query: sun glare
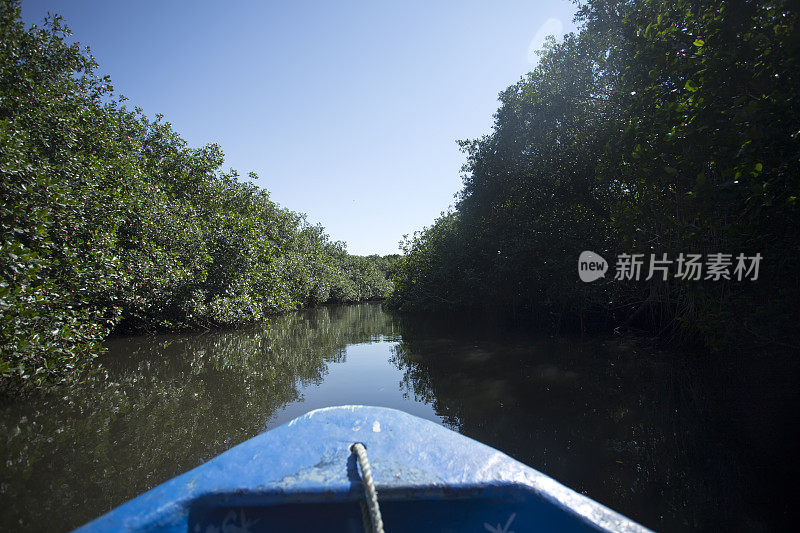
550, 27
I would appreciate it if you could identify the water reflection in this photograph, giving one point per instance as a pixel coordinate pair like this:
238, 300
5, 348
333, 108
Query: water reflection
658, 437
172, 402
674, 442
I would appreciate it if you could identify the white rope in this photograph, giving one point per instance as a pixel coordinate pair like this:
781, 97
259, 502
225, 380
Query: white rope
369, 488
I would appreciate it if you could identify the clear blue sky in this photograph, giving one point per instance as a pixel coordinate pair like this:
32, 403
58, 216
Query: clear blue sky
347, 111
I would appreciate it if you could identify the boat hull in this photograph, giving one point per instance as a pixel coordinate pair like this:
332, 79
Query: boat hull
302, 476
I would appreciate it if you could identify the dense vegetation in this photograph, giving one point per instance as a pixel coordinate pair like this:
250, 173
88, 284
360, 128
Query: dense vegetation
658, 128
109, 220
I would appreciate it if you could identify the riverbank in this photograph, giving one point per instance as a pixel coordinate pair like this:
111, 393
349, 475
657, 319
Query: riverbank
652, 141
110, 220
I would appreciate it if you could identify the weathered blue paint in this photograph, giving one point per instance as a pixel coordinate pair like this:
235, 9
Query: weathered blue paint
302, 477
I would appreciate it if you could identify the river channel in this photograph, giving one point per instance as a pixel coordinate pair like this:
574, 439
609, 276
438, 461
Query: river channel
671, 440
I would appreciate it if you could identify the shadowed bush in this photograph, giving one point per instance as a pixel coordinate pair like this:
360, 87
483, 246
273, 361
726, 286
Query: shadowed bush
658, 128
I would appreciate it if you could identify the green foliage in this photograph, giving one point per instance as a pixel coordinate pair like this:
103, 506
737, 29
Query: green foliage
109, 220
385, 264
660, 128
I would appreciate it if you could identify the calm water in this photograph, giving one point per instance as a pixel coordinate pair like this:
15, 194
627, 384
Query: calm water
671, 441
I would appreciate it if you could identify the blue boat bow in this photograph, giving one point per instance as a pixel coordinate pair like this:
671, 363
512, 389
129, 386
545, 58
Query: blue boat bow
303, 476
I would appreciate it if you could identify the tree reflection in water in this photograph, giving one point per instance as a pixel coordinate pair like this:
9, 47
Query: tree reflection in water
677, 442
170, 403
